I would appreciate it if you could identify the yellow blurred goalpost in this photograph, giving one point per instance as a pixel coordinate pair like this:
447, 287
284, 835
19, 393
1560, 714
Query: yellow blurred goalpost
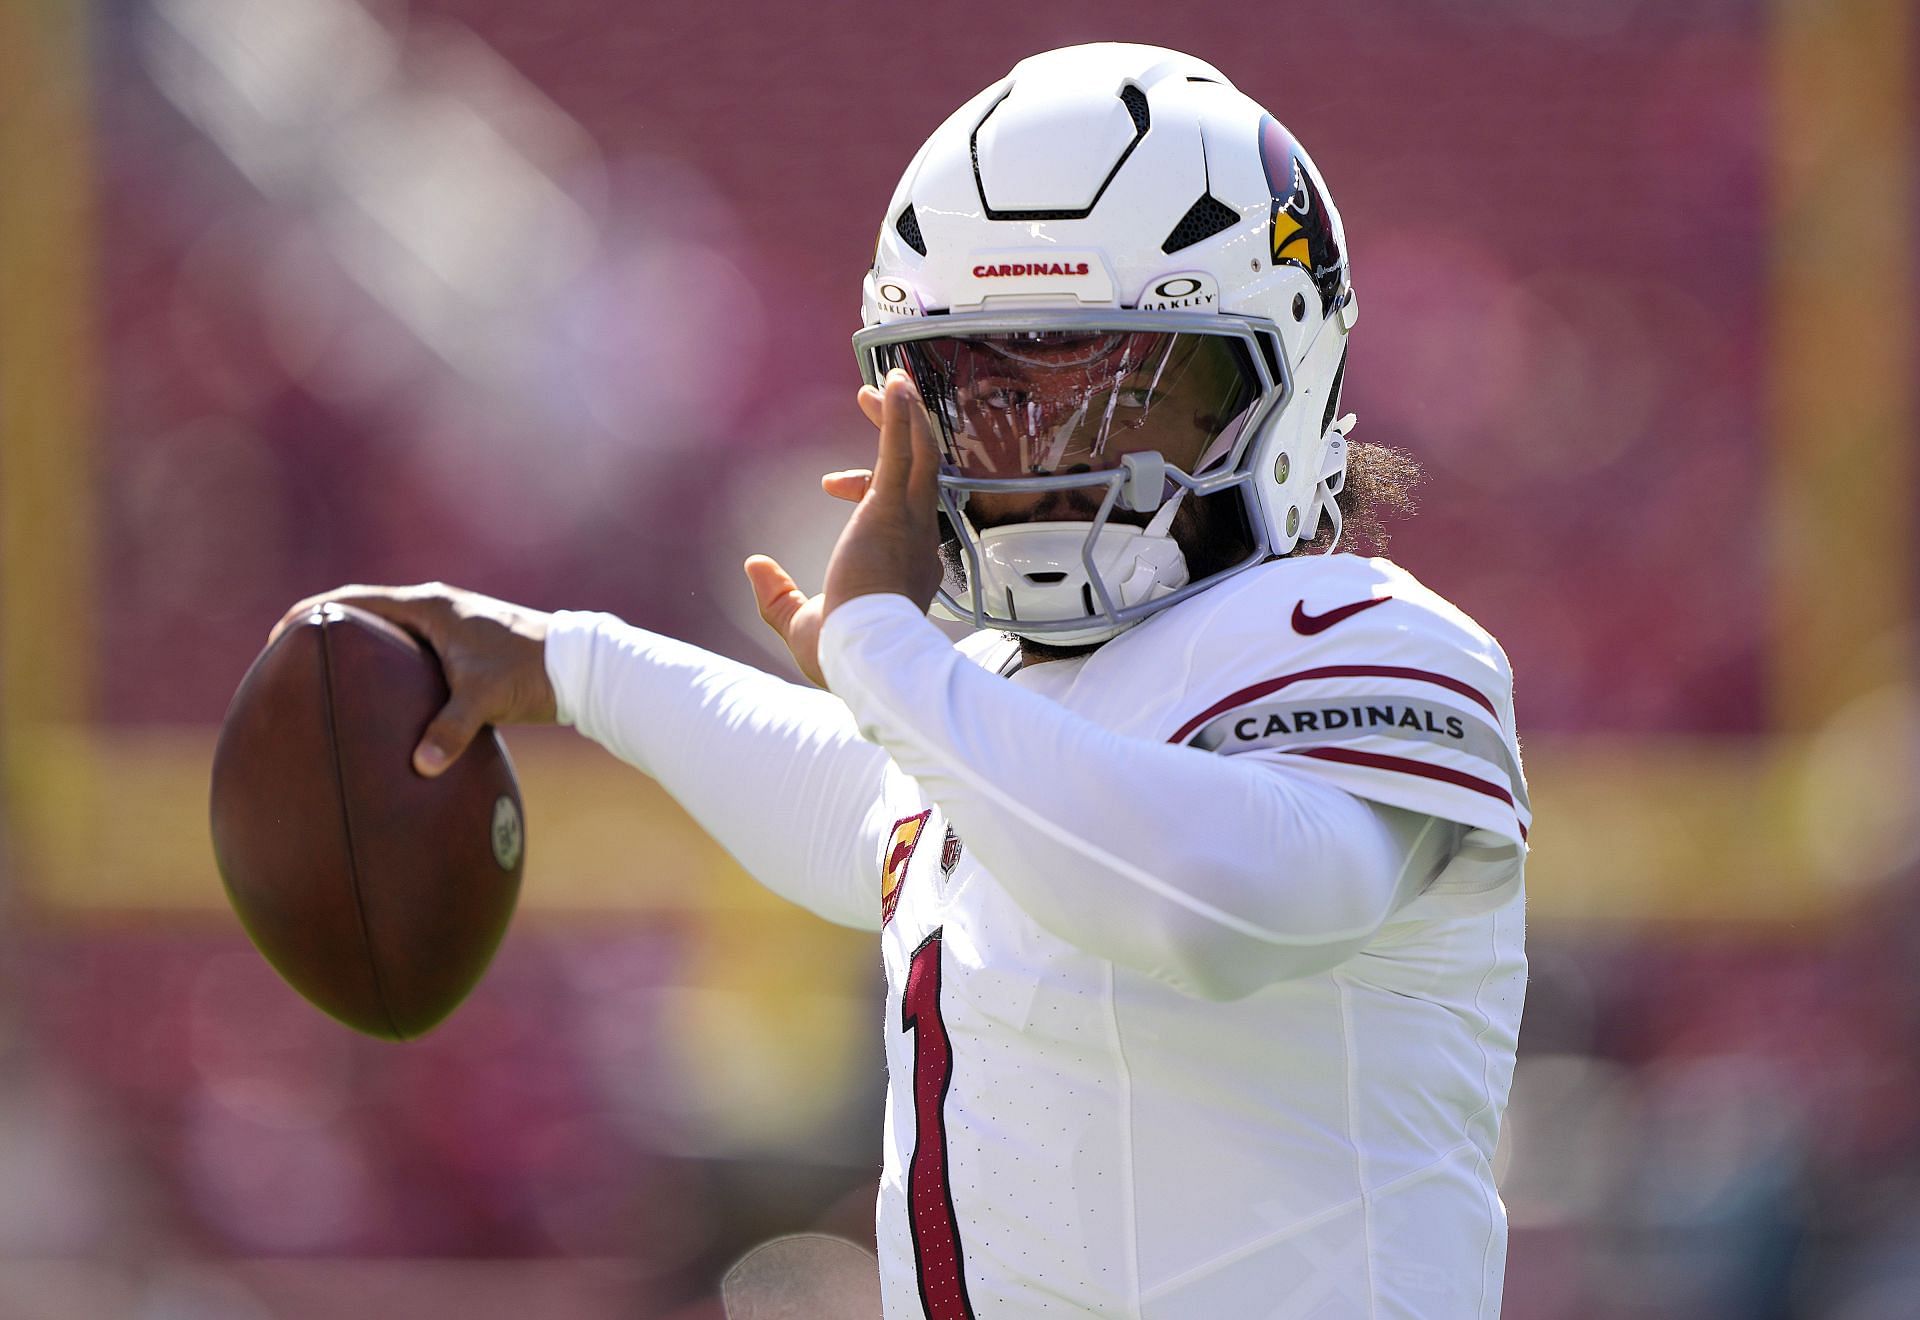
1782, 828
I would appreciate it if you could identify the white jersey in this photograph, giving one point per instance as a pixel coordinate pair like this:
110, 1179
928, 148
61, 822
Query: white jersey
1066, 1136
1203, 950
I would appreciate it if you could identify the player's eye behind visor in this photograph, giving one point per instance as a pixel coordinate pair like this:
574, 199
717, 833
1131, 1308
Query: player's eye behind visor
1040, 403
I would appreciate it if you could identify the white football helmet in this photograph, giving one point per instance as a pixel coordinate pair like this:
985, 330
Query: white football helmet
1120, 287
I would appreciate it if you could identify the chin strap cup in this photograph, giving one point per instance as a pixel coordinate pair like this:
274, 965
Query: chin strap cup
1037, 572
1159, 569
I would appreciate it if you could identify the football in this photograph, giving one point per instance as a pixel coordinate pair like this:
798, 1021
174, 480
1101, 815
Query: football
378, 894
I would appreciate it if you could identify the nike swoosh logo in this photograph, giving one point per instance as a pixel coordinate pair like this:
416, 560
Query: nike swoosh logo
1309, 624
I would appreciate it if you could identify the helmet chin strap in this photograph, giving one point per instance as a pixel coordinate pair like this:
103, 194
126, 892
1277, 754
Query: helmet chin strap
1333, 515
1162, 520
1328, 500
1140, 585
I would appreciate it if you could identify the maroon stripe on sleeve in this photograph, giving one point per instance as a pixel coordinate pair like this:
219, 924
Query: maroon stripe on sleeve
1261, 689
1403, 765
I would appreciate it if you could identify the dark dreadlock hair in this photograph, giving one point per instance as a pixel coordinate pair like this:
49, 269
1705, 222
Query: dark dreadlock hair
1380, 484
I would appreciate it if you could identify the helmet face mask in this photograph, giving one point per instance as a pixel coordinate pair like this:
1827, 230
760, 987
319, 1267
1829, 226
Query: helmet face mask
1122, 293
1069, 441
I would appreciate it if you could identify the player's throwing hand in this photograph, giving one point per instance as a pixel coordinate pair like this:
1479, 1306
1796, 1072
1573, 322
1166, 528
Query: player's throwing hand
492, 652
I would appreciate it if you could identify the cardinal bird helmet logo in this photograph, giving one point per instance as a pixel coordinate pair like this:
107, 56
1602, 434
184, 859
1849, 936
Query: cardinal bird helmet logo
1305, 231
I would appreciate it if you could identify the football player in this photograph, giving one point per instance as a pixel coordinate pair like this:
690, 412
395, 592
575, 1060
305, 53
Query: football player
1197, 867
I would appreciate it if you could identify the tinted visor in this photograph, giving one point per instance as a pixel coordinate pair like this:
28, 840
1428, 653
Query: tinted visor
1040, 403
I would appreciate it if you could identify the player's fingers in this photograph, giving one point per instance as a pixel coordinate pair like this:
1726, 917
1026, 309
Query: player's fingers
452, 729
849, 485
386, 602
870, 404
894, 465
775, 592
418, 616
923, 477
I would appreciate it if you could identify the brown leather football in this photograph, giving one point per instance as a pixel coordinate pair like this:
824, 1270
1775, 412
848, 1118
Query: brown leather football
378, 894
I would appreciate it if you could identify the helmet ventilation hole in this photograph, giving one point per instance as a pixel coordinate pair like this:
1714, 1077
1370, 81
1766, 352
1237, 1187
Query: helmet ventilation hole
1047, 579
1299, 307
908, 227
1204, 219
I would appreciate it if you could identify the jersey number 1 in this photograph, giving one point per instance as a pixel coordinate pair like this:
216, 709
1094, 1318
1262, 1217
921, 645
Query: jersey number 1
936, 1231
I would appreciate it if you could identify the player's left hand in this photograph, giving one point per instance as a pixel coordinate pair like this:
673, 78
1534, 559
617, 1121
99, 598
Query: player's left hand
891, 544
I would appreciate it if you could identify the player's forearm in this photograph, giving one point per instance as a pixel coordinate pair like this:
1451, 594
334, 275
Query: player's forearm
776, 772
1217, 873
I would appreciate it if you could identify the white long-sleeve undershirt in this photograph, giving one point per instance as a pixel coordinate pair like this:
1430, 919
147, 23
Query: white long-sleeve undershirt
1218, 874
775, 771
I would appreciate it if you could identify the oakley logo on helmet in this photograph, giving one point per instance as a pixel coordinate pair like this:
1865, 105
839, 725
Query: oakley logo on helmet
1031, 268
1176, 292
895, 299
1305, 232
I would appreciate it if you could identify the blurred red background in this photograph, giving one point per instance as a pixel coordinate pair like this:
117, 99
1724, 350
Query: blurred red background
553, 301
